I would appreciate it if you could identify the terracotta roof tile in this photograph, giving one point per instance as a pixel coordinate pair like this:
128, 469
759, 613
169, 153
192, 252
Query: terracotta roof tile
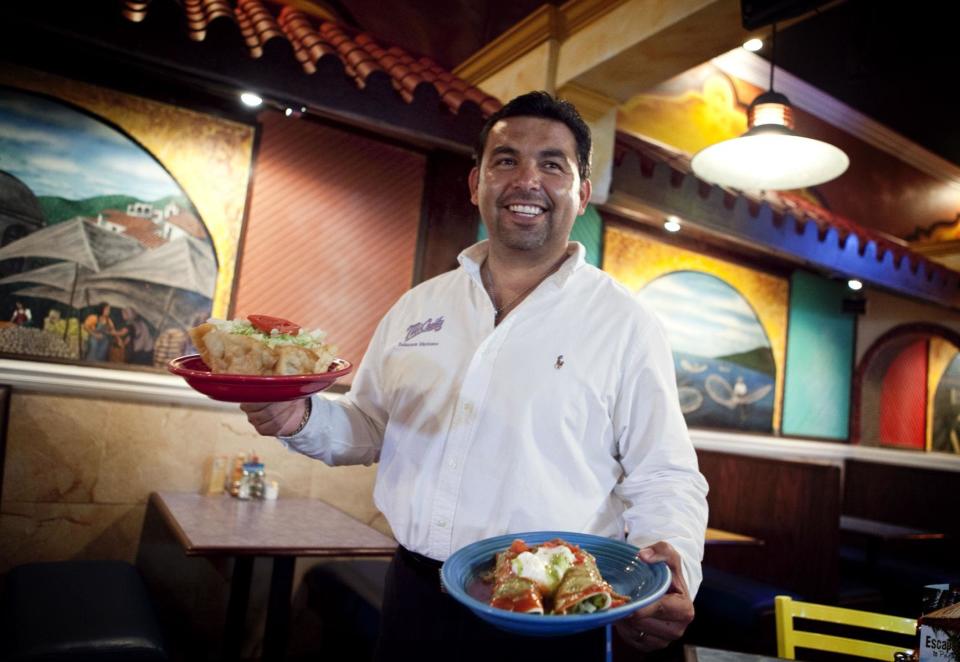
201, 13
360, 53
303, 37
262, 23
134, 10
142, 229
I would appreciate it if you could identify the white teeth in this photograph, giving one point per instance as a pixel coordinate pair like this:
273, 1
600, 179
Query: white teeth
533, 210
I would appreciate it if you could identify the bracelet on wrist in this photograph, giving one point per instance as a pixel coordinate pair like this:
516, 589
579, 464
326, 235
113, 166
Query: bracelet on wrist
308, 408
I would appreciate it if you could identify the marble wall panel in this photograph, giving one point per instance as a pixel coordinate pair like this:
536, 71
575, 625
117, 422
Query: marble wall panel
54, 449
56, 531
78, 472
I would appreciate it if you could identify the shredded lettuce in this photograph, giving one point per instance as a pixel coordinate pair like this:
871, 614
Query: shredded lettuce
307, 338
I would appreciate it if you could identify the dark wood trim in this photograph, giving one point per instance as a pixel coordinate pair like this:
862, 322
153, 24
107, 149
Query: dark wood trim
906, 496
793, 506
6, 392
448, 221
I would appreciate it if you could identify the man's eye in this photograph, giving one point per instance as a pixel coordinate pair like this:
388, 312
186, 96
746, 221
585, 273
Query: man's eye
552, 165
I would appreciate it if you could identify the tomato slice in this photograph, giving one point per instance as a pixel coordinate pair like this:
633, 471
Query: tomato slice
267, 324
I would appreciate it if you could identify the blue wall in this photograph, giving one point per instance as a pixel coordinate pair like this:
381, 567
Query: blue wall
819, 369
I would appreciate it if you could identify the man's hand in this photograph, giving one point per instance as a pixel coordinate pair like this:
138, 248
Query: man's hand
656, 625
275, 419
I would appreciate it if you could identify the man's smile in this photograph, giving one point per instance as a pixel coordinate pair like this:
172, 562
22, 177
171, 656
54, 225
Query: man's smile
524, 212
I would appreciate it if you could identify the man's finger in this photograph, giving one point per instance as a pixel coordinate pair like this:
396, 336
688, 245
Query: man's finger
665, 552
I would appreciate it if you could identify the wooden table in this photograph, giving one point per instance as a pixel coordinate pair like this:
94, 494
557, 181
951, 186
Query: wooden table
721, 537
878, 535
884, 530
282, 529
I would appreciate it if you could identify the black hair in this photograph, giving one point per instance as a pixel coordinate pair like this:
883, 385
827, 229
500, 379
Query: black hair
542, 104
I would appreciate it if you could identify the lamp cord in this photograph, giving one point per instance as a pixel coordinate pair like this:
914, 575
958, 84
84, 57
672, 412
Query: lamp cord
773, 54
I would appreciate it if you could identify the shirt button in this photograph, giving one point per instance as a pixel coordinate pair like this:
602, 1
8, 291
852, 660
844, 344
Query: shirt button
468, 407
442, 523
452, 464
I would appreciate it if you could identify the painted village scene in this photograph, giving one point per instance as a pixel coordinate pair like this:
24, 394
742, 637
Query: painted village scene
722, 356
103, 259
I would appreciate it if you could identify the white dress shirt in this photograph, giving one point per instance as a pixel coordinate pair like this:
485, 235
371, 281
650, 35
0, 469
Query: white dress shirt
565, 417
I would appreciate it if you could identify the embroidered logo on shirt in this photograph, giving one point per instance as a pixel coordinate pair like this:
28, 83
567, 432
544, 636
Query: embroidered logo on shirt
431, 324
559, 363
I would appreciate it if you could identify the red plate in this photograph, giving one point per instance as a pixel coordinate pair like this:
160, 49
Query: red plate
253, 388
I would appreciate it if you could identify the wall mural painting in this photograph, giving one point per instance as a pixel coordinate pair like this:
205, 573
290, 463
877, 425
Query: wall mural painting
722, 356
945, 406
909, 394
104, 257
726, 325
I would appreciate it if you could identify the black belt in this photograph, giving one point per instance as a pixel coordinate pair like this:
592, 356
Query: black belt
419, 559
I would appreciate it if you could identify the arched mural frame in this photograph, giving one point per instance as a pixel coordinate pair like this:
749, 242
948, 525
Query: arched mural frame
756, 318
902, 334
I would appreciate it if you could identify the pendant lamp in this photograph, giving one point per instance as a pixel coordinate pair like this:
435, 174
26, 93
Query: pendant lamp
770, 156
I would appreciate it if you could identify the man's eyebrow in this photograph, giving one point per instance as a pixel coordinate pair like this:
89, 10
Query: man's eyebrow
503, 149
553, 152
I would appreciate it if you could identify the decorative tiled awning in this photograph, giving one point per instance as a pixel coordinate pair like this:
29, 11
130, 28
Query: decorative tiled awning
287, 57
311, 40
783, 224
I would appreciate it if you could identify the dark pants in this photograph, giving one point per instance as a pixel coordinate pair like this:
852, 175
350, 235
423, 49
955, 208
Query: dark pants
420, 622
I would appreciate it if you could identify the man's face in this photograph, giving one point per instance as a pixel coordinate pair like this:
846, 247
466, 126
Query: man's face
527, 187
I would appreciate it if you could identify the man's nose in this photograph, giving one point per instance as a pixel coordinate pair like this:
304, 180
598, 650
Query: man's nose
527, 177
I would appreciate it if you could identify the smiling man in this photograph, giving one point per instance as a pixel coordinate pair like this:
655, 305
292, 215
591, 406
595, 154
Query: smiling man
526, 390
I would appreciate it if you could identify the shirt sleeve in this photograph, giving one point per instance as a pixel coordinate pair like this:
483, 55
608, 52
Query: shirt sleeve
662, 488
348, 429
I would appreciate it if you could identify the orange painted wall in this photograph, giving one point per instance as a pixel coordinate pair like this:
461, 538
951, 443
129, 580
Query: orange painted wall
332, 230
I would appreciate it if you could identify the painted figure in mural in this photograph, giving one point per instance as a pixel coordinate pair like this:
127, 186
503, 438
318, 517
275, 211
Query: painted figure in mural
21, 315
139, 338
101, 333
54, 322
536, 355
121, 340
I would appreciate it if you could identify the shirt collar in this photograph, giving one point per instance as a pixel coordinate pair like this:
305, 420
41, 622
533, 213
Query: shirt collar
472, 257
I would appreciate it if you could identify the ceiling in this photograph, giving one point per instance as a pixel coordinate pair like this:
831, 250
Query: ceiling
872, 56
892, 61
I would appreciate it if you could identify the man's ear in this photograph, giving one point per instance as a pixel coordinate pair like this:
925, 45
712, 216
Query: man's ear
586, 188
474, 180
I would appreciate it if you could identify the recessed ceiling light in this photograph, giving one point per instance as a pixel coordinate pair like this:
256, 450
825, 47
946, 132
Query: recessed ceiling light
251, 99
854, 284
672, 224
753, 45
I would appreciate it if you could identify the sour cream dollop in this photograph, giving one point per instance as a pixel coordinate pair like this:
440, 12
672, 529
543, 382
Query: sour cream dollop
545, 567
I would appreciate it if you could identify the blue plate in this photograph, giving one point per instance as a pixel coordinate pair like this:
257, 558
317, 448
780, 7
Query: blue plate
643, 583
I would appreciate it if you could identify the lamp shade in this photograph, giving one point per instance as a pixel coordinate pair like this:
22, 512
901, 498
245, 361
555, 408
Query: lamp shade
770, 156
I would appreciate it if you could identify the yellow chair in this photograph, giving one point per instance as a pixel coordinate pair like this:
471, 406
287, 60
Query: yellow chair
789, 639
